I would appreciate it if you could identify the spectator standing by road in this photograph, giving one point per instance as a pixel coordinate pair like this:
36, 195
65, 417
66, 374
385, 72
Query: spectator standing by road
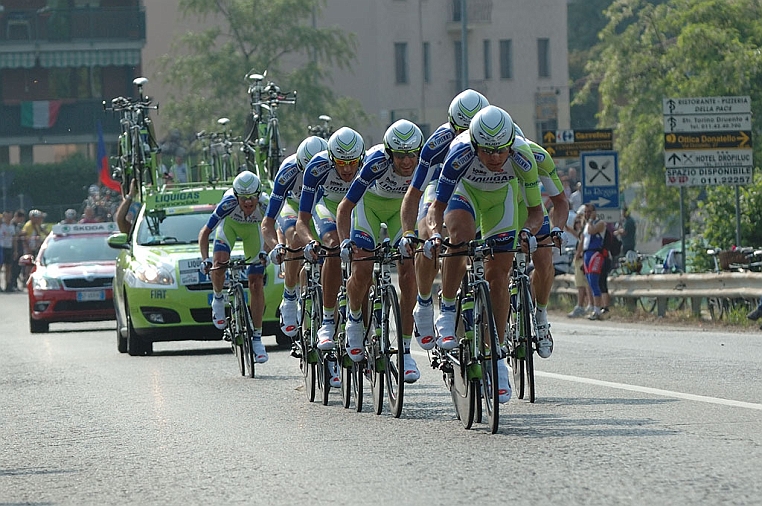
7, 231
597, 264
18, 249
584, 294
626, 231
179, 170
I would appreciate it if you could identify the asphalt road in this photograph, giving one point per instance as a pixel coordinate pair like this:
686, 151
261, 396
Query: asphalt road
626, 414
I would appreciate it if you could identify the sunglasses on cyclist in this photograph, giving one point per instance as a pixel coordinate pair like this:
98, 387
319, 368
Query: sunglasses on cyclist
344, 163
401, 155
494, 151
248, 196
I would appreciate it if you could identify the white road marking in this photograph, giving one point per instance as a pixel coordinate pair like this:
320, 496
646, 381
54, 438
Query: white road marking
645, 390
653, 391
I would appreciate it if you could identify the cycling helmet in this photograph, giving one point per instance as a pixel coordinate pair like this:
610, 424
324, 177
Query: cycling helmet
70, 214
519, 131
632, 261
246, 183
36, 213
308, 148
464, 106
492, 128
403, 135
345, 144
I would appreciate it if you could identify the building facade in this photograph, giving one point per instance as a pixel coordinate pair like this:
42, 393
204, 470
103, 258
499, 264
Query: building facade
59, 59
410, 58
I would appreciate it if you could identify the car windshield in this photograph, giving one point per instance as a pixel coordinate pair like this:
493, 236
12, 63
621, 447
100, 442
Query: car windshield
78, 249
161, 228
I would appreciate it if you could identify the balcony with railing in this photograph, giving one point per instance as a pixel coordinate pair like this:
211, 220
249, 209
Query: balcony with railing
62, 120
21, 27
477, 12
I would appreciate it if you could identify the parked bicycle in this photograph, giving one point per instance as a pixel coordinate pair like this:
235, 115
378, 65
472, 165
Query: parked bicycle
219, 162
263, 143
239, 329
137, 146
738, 260
323, 130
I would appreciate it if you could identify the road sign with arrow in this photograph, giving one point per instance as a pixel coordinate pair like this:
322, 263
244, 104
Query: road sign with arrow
600, 179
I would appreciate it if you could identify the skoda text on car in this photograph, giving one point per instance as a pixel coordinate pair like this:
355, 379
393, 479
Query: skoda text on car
159, 292
71, 276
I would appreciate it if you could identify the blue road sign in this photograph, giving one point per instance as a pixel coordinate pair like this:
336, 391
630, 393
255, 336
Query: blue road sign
600, 179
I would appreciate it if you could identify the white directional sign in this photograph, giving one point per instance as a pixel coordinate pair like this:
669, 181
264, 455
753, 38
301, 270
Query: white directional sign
707, 122
709, 158
708, 141
706, 105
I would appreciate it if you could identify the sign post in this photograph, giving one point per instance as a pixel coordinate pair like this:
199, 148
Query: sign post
570, 143
708, 142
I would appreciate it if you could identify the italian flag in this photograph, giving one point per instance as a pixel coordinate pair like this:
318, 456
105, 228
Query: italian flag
40, 114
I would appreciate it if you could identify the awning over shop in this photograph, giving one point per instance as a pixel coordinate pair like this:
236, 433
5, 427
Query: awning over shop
90, 58
17, 60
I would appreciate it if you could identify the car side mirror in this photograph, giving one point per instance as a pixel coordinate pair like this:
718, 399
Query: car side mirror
26, 260
119, 241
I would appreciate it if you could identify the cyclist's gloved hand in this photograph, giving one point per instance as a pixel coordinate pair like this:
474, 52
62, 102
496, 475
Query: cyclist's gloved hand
407, 245
205, 266
528, 239
559, 237
277, 253
264, 258
432, 245
311, 251
346, 250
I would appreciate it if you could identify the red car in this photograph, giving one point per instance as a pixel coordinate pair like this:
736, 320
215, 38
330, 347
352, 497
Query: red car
72, 276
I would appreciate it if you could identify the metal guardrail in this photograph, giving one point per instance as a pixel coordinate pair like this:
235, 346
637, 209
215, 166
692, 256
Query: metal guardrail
730, 285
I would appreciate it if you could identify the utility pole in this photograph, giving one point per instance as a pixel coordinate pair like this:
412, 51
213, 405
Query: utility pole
464, 43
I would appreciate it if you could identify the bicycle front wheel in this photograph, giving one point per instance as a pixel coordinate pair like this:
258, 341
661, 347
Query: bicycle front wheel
236, 326
529, 336
463, 388
485, 339
248, 332
394, 351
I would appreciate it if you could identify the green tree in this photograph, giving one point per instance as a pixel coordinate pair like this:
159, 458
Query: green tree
679, 48
206, 69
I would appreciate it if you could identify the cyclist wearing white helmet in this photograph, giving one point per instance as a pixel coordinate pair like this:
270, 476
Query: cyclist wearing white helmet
327, 179
542, 259
419, 197
376, 197
238, 214
283, 209
478, 189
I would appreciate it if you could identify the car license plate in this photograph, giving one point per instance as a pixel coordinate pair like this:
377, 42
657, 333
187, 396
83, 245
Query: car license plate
91, 296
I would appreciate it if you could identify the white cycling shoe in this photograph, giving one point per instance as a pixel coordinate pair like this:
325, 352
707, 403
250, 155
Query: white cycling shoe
288, 323
260, 353
446, 330
503, 384
218, 312
411, 373
424, 326
325, 336
355, 336
333, 369
544, 341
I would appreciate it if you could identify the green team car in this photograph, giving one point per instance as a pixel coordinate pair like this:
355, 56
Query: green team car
159, 292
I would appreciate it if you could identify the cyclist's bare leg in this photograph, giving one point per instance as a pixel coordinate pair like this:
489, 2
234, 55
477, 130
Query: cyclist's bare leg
543, 274
359, 281
331, 272
461, 227
256, 298
496, 271
290, 269
218, 275
425, 268
408, 291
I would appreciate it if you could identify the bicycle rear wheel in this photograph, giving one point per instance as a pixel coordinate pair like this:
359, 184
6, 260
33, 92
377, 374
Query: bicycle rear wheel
375, 347
485, 339
394, 352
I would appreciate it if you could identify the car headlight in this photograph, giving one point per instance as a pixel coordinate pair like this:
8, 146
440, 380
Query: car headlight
45, 283
154, 275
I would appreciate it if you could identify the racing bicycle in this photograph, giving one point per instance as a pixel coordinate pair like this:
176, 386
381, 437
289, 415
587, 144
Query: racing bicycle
384, 345
470, 370
239, 329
